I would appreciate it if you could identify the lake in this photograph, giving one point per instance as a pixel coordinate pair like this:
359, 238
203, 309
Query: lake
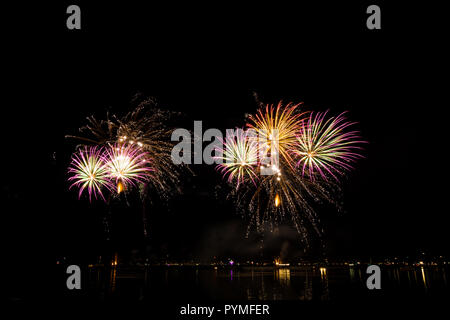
312, 283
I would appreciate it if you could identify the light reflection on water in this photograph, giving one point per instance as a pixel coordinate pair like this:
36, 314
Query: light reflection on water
258, 283
423, 277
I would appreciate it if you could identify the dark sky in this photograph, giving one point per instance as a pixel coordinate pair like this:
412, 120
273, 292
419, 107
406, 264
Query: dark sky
208, 64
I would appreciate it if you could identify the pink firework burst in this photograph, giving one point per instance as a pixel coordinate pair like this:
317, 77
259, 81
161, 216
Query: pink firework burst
127, 165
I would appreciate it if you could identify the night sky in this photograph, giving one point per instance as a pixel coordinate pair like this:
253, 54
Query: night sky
208, 65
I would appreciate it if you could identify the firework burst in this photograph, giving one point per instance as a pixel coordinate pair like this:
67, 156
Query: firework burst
239, 157
325, 147
127, 165
277, 127
89, 171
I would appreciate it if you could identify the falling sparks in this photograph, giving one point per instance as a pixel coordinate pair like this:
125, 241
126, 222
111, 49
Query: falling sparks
136, 155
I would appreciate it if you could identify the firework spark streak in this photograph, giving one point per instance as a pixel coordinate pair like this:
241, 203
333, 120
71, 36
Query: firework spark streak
89, 171
325, 147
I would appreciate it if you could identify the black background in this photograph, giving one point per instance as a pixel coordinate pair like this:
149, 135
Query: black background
207, 60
